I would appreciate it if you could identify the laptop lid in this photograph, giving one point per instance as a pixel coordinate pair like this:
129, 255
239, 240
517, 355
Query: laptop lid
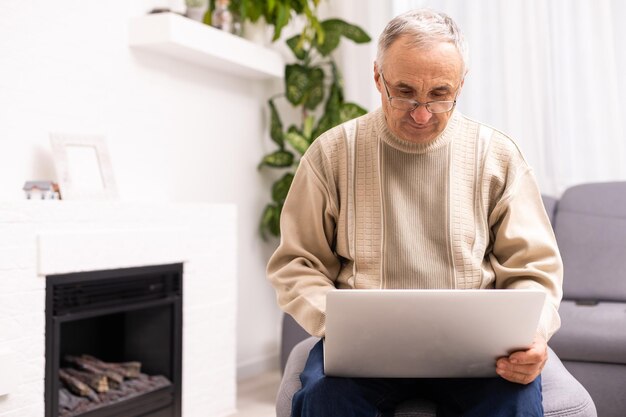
426, 333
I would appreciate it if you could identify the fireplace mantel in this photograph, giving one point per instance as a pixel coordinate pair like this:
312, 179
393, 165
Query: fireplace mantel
41, 238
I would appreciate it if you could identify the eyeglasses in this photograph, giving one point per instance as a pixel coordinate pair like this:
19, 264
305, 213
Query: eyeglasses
407, 104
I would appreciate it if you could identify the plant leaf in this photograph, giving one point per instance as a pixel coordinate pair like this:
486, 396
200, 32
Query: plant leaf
337, 80
281, 188
296, 83
276, 126
331, 41
331, 115
299, 142
349, 111
270, 220
281, 19
253, 10
320, 33
350, 31
304, 85
278, 159
270, 5
206, 19
307, 128
315, 93
334, 99
334, 29
323, 125
297, 5
295, 44
332, 36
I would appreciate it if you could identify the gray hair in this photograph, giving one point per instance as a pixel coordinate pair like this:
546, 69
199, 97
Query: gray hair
425, 27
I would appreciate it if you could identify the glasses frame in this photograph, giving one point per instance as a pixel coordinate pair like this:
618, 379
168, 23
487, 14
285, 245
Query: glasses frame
416, 103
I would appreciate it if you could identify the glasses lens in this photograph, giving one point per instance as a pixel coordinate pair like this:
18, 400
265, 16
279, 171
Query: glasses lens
440, 106
410, 105
402, 104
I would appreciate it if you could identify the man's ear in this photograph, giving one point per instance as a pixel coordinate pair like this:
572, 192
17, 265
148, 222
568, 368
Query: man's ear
377, 78
460, 87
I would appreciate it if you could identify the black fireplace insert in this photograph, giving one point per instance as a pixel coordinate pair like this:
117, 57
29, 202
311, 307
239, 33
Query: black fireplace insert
114, 343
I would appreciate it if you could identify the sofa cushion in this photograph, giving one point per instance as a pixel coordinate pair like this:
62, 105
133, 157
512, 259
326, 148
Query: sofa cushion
592, 333
605, 383
590, 227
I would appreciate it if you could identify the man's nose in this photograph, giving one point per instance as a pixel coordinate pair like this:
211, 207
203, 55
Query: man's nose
420, 114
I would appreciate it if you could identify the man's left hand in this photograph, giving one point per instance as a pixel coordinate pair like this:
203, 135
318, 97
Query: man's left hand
524, 366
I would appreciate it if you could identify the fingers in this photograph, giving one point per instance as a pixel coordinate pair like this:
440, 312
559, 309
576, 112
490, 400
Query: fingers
524, 366
538, 352
518, 373
528, 357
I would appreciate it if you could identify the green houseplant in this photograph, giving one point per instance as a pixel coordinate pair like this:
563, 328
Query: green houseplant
276, 13
313, 85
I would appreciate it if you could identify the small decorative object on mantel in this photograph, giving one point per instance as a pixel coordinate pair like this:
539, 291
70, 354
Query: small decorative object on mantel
83, 167
196, 9
223, 19
41, 190
160, 6
168, 6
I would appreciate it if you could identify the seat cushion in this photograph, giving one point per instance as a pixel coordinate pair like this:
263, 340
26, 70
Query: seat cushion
590, 227
591, 333
290, 383
562, 394
606, 384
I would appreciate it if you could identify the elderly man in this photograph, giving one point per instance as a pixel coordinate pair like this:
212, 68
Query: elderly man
416, 195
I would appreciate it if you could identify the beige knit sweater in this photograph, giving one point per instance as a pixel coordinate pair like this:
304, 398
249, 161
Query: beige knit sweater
369, 210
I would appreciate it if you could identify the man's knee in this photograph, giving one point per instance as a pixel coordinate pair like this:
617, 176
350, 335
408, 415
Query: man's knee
325, 388
523, 400
489, 397
332, 397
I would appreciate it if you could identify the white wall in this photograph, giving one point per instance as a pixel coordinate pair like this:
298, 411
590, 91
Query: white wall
534, 71
356, 60
175, 132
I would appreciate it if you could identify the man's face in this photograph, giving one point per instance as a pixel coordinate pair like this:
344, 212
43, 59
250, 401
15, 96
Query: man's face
425, 74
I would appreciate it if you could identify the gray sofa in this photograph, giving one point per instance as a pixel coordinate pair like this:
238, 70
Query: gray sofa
590, 226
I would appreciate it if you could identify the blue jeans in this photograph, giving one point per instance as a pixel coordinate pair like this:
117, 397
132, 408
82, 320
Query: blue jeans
323, 396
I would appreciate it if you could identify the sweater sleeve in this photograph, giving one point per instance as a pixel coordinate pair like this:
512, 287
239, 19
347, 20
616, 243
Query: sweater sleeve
525, 253
304, 266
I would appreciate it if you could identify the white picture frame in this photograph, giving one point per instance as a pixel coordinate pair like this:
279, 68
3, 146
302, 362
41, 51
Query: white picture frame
83, 167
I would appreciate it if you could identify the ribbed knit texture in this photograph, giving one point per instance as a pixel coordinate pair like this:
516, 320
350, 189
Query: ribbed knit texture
370, 210
416, 240
368, 230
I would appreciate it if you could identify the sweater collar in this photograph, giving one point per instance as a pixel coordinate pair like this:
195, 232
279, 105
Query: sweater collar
402, 145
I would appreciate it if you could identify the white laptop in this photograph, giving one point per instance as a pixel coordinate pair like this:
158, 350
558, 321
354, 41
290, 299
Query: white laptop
426, 333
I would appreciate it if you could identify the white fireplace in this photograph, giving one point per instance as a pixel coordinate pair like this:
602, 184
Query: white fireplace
41, 238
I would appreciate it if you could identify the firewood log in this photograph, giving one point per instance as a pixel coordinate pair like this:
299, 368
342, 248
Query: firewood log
114, 378
128, 369
77, 387
98, 382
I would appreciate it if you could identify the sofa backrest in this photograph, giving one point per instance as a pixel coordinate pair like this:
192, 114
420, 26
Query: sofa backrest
590, 227
550, 203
